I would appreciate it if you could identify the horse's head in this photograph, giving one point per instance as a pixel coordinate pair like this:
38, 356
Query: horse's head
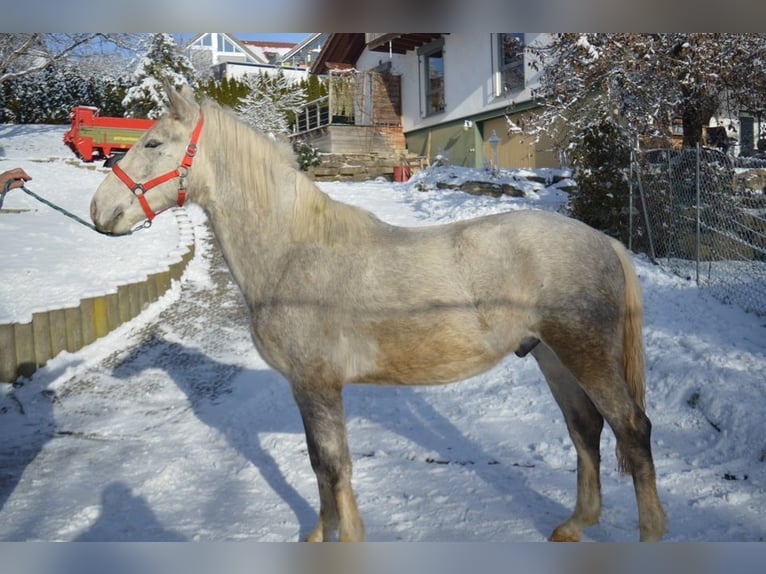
151, 177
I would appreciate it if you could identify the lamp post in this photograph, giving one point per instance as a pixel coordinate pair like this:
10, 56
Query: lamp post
494, 140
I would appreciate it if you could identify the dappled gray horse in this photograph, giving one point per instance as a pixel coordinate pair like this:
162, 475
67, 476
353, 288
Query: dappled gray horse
337, 296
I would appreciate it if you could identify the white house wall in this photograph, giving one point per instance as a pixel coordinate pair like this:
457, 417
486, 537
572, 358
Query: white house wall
734, 130
239, 71
468, 79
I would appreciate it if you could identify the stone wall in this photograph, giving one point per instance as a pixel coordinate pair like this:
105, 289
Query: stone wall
354, 167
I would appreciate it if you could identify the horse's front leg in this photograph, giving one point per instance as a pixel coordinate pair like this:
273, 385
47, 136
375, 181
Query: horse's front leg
321, 407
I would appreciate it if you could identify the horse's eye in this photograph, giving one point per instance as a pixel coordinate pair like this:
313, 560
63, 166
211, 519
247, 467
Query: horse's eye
153, 143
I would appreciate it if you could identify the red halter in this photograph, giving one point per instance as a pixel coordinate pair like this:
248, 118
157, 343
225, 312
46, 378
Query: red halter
140, 189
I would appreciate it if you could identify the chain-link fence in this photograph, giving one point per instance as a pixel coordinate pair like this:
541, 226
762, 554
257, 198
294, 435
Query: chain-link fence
702, 214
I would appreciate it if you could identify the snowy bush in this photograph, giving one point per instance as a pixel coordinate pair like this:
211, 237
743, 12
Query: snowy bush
227, 92
601, 159
307, 154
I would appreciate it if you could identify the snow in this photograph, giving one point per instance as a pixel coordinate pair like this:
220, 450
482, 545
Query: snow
173, 428
42, 250
262, 49
593, 55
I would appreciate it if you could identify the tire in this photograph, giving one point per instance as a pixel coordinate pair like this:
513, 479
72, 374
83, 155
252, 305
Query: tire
114, 158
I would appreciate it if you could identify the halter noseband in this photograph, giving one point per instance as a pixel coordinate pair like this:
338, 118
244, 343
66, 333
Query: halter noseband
140, 189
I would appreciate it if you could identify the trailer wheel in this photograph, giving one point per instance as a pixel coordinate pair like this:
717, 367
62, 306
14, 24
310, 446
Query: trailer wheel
114, 158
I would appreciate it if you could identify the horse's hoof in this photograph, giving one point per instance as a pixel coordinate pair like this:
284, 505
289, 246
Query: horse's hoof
559, 535
315, 536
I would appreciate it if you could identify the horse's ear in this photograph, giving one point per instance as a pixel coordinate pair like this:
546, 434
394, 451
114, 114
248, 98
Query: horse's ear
187, 92
182, 103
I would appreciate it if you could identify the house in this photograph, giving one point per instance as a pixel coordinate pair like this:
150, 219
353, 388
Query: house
743, 135
451, 94
231, 58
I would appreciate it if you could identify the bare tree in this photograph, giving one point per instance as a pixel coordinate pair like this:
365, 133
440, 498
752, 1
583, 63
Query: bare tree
27, 53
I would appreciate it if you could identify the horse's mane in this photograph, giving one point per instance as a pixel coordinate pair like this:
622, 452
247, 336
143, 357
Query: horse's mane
266, 172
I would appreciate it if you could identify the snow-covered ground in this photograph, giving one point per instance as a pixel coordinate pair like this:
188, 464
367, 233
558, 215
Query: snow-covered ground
49, 261
172, 427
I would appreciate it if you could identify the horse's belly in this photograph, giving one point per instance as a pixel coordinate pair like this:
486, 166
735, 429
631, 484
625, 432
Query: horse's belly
411, 353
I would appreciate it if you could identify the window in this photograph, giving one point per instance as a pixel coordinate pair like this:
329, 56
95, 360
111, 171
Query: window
225, 45
509, 63
202, 42
432, 79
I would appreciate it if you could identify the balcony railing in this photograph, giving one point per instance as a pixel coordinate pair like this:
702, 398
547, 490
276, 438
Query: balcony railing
314, 115
320, 113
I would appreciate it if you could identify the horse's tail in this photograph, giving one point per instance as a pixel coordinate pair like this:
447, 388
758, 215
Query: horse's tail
632, 340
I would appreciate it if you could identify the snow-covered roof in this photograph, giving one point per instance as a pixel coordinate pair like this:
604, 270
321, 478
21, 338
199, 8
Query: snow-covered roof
271, 52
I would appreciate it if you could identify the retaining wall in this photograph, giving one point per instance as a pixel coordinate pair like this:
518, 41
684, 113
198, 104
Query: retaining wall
24, 347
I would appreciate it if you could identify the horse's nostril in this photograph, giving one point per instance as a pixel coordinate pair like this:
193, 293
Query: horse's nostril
117, 213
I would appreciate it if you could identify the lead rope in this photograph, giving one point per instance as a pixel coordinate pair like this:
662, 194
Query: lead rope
69, 214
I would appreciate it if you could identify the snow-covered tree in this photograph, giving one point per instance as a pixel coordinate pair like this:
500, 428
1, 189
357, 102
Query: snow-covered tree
91, 73
271, 100
226, 92
107, 93
600, 91
645, 81
65, 87
47, 96
162, 61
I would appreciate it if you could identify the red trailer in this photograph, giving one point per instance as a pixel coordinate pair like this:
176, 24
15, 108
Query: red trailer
105, 138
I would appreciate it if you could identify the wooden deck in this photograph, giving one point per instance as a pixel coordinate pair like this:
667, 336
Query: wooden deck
340, 139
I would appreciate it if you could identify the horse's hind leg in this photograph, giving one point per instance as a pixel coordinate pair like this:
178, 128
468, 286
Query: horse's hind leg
602, 379
321, 407
585, 424
633, 432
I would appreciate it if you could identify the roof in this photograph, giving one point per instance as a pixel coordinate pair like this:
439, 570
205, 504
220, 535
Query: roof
343, 50
398, 43
315, 37
266, 44
270, 52
339, 49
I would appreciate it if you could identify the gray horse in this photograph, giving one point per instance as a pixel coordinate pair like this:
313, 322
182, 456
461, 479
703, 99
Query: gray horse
337, 296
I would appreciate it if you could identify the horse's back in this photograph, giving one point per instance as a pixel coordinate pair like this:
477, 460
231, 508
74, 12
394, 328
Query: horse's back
535, 253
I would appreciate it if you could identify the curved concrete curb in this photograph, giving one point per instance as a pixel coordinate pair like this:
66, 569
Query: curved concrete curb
26, 346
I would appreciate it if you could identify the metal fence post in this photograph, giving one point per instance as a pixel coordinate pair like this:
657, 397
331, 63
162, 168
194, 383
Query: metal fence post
630, 199
699, 207
670, 232
652, 254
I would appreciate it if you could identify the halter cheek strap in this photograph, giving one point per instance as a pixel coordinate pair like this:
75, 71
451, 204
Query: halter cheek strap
140, 189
